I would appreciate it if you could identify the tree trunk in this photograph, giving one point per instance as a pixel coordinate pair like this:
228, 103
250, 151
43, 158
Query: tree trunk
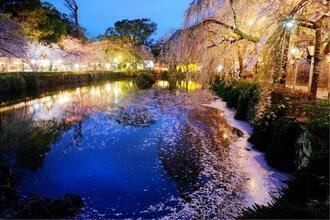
318, 60
76, 21
241, 63
285, 58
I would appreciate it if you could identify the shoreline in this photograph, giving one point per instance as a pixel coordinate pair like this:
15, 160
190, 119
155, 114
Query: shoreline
262, 181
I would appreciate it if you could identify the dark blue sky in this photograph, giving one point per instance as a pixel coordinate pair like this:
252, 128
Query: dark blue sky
97, 15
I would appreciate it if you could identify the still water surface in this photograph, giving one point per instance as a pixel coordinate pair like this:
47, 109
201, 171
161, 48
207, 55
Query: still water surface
108, 143
129, 153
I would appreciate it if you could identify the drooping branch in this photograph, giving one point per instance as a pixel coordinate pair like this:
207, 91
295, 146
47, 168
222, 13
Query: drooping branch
235, 30
225, 40
233, 11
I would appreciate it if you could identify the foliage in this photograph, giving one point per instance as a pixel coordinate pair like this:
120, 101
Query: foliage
144, 81
40, 21
294, 134
242, 95
305, 198
249, 37
138, 31
12, 83
281, 145
12, 41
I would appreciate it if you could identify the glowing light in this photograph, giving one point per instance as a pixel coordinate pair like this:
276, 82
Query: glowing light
294, 50
36, 107
108, 87
45, 62
250, 22
77, 91
140, 66
76, 66
149, 64
290, 24
262, 19
296, 53
220, 68
328, 58
64, 98
95, 92
116, 60
311, 50
163, 84
225, 136
107, 65
33, 62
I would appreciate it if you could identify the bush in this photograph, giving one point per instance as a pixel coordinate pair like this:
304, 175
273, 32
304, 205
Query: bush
242, 95
12, 82
294, 134
31, 82
305, 198
144, 81
281, 152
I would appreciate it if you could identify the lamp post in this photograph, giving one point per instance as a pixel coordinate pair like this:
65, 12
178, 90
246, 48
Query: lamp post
311, 51
328, 59
297, 53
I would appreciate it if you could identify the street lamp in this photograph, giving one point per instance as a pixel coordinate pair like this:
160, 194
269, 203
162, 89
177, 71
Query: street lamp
290, 24
297, 53
328, 59
250, 22
311, 51
220, 68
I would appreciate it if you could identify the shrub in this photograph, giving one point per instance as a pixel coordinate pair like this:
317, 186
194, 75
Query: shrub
242, 95
294, 134
12, 82
144, 81
282, 151
31, 81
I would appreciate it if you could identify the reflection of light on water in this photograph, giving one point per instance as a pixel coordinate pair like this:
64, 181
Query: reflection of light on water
55, 105
77, 91
108, 87
163, 84
36, 107
116, 92
95, 91
188, 85
49, 105
64, 98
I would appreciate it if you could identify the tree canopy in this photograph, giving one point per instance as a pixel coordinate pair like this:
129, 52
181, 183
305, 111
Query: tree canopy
40, 21
138, 31
12, 41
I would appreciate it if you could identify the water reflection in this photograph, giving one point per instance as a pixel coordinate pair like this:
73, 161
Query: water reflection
182, 161
129, 153
30, 141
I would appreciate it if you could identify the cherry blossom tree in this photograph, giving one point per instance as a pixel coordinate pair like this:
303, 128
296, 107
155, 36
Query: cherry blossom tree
12, 42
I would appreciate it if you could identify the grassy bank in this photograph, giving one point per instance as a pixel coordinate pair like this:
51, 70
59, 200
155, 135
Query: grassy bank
293, 132
18, 82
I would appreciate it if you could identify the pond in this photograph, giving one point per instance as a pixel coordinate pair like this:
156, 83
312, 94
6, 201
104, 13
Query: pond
128, 153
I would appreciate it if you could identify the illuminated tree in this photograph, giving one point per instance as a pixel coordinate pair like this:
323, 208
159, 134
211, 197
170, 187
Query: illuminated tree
138, 31
242, 37
12, 42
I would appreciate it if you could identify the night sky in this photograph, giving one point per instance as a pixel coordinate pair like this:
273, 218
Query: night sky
97, 15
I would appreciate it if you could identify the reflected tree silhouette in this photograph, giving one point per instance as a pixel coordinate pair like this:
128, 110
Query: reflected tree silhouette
28, 140
182, 162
